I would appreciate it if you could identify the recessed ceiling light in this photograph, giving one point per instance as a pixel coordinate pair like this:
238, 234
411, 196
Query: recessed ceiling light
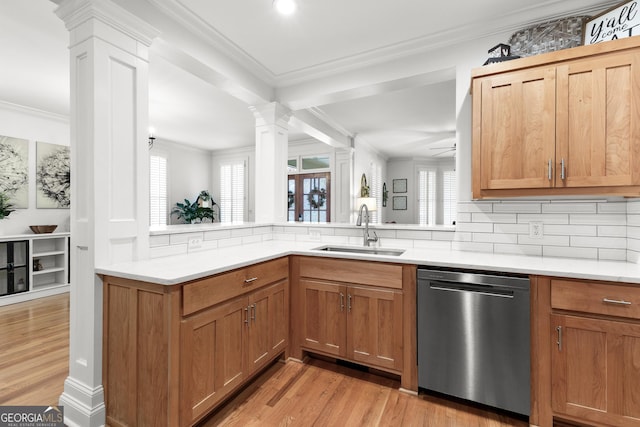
285, 7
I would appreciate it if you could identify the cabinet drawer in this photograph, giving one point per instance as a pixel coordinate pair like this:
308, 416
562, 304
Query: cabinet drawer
598, 298
216, 289
360, 272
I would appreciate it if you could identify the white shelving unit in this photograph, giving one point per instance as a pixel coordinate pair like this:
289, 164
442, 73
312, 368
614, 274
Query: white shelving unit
48, 266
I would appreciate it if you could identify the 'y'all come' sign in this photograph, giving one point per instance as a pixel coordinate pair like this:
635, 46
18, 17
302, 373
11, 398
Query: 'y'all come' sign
616, 23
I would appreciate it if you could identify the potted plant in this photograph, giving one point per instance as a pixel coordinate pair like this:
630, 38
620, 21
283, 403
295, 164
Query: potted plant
192, 212
5, 206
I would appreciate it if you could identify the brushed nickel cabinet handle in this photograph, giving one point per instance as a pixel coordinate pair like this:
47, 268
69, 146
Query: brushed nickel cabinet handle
349, 303
253, 279
550, 170
246, 316
253, 310
563, 174
616, 301
341, 302
559, 342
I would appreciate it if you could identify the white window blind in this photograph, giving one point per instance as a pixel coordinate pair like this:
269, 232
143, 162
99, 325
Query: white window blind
427, 197
157, 189
232, 191
375, 191
449, 197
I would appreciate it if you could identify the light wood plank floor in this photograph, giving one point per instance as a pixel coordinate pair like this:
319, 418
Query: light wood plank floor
320, 393
34, 351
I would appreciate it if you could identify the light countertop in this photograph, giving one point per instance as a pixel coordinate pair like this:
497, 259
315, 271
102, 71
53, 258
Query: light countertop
183, 268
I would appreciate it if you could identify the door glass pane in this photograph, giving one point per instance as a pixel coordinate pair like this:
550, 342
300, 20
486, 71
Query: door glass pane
291, 200
3, 255
292, 165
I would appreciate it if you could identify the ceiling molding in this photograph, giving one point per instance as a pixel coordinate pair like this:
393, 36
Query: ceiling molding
34, 111
550, 10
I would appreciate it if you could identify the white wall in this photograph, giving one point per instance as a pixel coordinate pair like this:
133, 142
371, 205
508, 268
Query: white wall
34, 125
188, 172
364, 157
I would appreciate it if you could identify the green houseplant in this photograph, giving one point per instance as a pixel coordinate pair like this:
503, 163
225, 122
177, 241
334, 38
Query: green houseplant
192, 212
5, 206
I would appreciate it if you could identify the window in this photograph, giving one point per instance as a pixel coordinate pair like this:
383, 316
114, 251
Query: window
375, 191
449, 197
427, 197
157, 189
232, 191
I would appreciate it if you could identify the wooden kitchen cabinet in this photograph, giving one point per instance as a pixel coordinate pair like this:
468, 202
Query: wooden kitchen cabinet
558, 123
361, 321
172, 353
595, 352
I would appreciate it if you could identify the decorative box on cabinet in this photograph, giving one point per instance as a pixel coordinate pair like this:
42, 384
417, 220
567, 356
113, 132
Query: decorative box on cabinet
559, 123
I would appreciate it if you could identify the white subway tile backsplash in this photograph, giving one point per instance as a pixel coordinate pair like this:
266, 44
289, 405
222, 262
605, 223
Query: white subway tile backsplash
505, 218
162, 251
633, 256
432, 244
161, 240
251, 239
443, 235
463, 216
530, 250
414, 234
600, 219
477, 227
633, 206
177, 239
599, 242
633, 220
475, 207
633, 233
547, 240
511, 228
612, 207
612, 230
241, 232
569, 208
570, 230
550, 218
495, 238
217, 235
462, 237
564, 252
517, 207
233, 241
612, 254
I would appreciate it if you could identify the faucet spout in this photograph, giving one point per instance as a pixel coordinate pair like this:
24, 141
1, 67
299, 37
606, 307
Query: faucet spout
366, 238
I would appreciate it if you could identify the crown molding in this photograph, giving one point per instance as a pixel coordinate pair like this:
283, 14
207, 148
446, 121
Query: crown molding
34, 111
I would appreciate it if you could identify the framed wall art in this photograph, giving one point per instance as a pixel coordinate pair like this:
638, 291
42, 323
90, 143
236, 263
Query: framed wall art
53, 176
399, 203
400, 185
14, 170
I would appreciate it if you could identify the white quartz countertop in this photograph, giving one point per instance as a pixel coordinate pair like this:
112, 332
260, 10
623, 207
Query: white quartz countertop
183, 268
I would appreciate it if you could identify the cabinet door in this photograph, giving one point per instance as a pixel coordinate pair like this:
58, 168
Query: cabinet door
598, 128
514, 130
268, 330
374, 326
212, 357
323, 316
596, 370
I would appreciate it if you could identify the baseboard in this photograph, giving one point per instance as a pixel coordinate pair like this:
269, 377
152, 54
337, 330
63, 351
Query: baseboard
83, 406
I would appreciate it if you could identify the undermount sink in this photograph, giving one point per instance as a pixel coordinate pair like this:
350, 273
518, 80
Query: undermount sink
361, 250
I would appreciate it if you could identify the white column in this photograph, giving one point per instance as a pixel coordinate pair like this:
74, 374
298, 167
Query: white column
272, 139
109, 178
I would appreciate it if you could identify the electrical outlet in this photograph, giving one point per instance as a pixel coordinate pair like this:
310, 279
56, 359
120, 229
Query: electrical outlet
194, 243
536, 230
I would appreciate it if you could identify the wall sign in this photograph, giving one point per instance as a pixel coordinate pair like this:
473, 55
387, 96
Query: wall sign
619, 22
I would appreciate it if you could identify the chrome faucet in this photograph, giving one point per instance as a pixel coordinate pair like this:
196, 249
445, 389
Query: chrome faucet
367, 239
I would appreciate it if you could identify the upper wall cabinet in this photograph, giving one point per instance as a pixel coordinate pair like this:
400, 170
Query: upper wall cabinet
566, 122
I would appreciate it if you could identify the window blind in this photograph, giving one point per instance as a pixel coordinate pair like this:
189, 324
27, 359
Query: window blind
427, 197
232, 191
157, 189
449, 197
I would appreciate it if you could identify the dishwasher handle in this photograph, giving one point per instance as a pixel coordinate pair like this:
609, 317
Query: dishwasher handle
477, 289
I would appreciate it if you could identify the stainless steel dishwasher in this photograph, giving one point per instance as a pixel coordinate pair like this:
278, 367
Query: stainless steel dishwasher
474, 336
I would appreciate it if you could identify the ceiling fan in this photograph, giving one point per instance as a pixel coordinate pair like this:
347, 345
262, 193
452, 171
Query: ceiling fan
443, 150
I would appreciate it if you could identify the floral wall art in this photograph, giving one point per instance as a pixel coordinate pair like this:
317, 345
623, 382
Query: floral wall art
53, 176
14, 170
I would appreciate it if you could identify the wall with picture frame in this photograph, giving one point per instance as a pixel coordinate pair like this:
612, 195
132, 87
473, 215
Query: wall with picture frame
33, 125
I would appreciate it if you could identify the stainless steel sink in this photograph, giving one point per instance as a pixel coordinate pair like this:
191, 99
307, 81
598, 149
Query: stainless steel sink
361, 250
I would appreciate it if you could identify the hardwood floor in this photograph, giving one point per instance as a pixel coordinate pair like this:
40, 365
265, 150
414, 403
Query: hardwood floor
34, 351
34, 354
320, 393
